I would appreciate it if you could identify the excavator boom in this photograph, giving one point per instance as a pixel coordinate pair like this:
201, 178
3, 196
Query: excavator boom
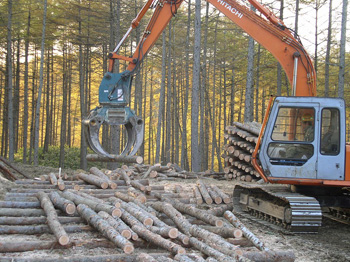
114, 91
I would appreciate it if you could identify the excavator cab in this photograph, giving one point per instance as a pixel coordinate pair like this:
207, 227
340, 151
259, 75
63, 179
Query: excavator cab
303, 139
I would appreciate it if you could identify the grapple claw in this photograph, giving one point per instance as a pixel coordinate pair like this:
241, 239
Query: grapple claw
114, 116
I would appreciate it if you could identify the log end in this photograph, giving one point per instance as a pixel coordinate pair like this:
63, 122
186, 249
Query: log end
116, 212
104, 185
218, 200
70, 209
219, 223
237, 233
126, 233
134, 236
181, 250
139, 159
63, 240
209, 201
113, 185
227, 200
185, 240
148, 222
173, 233
128, 249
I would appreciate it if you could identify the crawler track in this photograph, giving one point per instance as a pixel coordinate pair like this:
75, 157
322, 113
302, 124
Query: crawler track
278, 205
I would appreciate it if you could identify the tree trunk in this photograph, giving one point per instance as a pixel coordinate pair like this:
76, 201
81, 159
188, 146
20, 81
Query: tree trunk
195, 156
11, 135
328, 51
161, 102
38, 102
341, 74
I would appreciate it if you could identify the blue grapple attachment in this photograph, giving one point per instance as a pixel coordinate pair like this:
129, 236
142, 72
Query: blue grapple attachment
114, 96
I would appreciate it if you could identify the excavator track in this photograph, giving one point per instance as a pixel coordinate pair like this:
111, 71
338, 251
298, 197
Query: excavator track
341, 215
280, 206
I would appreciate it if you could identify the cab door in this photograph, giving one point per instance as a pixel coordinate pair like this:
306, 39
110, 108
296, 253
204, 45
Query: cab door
290, 148
331, 159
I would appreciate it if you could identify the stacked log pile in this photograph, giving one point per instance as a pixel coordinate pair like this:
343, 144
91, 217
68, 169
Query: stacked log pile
121, 216
241, 141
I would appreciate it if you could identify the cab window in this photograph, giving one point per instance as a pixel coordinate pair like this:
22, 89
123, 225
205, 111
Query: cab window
330, 131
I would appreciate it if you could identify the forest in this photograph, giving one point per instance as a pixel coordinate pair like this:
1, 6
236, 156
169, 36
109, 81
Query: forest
53, 55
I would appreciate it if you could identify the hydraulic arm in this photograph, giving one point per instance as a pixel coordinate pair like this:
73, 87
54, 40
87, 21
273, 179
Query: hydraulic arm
114, 91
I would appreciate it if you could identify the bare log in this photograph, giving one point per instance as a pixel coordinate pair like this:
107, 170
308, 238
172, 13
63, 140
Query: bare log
197, 213
271, 256
94, 180
63, 204
220, 210
115, 158
158, 240
209, 251
13, 167
174, 215
105, 228
36, 220
224, 196
18, 212
7, 172
214, 195
53, 179
16, 204
205, 194
183, 258
144, 257
96, 206
225, 231
99, 173
246, 232
117, 224
52, 219
198, 196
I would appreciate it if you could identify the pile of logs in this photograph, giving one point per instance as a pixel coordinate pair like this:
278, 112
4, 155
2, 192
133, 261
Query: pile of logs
241, 141
123, 217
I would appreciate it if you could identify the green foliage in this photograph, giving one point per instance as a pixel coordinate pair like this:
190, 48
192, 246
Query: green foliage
51, 158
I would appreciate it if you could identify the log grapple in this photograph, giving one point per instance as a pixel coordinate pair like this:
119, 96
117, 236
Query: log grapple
114, 97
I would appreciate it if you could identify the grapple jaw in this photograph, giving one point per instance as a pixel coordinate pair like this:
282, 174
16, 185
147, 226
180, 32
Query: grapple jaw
114, 95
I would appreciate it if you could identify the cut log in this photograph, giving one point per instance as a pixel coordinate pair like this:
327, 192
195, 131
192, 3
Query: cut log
52, 219
225, 231
13, 167
198, 195
209, 251
105, 228
214, 195
158, 240
94, 180
99, 173
197, 213
16, 204
19, 212
174, 215
205, 194
53, 179
96, 206
144, 257
246, 232
115, 158
20, 221
63, 204
183, 258
117, 224
271, 256
226, 199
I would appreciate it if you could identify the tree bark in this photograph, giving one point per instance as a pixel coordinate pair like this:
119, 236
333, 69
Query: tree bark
52, 219
105, 228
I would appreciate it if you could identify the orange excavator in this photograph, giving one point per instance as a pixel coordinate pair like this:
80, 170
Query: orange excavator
314, 164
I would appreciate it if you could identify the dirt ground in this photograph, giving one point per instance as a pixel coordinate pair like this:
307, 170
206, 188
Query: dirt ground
331, 243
